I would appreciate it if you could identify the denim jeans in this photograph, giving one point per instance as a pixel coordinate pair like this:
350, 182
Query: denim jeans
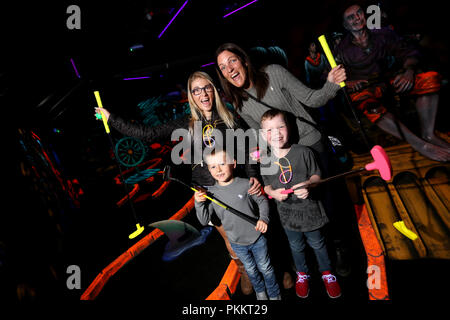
255, 258
316, 241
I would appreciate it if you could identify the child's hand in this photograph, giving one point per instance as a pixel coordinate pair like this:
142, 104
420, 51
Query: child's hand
255, 187
302, 193
261, 226
277, 195
199, 196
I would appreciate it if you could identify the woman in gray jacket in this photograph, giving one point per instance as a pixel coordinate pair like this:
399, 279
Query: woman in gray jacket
252, 92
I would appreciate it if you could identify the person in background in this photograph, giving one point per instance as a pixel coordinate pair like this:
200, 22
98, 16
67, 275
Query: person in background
365, 54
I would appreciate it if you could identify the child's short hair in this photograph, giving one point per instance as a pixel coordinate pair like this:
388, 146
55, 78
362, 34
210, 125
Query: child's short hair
213, 152
272, 113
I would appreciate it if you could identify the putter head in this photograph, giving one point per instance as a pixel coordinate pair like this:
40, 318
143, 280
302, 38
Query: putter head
381, 163
138, 231
166, 173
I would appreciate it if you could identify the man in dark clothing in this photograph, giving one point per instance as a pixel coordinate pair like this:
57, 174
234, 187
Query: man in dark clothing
365, 54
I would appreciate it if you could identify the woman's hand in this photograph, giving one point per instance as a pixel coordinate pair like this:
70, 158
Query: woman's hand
255, 187
261, 226
337, 74
102, 112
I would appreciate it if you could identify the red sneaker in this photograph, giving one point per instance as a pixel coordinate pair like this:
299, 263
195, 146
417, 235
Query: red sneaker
331, 284
302, 285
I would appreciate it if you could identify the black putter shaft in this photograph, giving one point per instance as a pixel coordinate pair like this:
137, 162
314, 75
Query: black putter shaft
314, 184
208, 196
358, 121
108, 133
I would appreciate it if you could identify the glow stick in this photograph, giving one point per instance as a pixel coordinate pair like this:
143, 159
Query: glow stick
230, 13
179, 10
329, 55
100, 105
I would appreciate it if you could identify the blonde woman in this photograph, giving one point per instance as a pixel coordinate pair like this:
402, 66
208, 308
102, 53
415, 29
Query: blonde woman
208, 109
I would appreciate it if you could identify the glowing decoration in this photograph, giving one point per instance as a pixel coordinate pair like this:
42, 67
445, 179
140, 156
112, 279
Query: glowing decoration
207, 135
207, 64
130, 151
136, 78
141, 176
136, 47
230, 13
329, 55
170, 22
182, 237
75, 68
286, 164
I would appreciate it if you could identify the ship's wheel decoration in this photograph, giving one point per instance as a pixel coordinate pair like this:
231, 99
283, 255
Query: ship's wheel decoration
130, 152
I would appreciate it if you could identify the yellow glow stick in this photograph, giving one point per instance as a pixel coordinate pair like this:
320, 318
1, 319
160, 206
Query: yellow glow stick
99, 103
329, 55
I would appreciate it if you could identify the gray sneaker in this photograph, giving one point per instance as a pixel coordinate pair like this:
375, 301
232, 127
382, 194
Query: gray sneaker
261, 296
278, 297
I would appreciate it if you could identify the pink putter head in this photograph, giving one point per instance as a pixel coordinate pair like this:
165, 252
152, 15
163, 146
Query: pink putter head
381, 163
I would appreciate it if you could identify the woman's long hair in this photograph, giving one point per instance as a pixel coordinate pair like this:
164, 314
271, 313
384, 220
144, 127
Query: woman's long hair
258, 78
196, 113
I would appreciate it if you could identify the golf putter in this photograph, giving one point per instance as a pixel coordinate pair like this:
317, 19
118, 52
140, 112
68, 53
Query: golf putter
167, 176
381, 163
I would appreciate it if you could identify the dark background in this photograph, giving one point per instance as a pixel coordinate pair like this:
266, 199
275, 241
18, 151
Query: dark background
40, 92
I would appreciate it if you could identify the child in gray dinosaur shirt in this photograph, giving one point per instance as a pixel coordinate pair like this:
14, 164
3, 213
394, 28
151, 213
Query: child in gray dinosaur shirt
246, 240
301, 216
